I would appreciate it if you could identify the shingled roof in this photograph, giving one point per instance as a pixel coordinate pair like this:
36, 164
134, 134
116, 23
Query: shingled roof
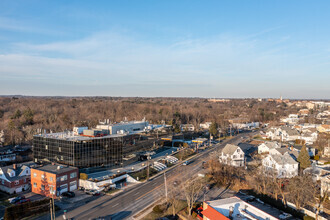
229, 149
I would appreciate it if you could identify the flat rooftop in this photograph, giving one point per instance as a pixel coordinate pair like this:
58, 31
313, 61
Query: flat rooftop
56, 169
70, 136
254, 209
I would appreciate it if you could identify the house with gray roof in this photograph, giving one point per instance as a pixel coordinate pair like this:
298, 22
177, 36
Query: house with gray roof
16, 178
283, 166
232, 155
267, 146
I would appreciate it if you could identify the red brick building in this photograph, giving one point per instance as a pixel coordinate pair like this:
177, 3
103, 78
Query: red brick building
54, 179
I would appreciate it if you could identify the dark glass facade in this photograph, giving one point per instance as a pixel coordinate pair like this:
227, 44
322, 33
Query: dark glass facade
94, 152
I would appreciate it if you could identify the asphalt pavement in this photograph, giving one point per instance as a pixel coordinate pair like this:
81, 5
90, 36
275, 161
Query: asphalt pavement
128, 203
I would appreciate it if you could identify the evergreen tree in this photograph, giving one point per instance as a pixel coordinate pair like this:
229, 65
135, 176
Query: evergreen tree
213, 129
303, 158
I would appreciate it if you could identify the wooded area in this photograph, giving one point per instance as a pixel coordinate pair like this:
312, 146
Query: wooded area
21, 117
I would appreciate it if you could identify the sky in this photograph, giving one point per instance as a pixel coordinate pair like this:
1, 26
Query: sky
173, 48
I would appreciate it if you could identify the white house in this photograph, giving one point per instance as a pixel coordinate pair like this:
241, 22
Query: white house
284, 166
283, 134
267, 146
15, 178
205, 125
232, 155
292, 119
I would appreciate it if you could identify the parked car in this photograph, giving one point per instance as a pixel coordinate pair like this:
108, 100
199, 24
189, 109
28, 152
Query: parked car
16, 199
250, 199
22, 201
285, 215
187, 162
69, 194
92, 192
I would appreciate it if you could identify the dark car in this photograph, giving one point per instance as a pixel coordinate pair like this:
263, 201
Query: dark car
18, 198
68, 194
23, 201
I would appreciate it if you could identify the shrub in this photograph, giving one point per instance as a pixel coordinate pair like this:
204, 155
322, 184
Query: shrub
158, 209
83, 176
27, 209
307, 217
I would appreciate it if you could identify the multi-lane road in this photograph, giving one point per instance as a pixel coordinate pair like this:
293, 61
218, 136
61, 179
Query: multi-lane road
128, 203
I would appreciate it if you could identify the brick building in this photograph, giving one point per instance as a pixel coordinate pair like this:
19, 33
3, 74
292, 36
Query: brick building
15, 178
54, 179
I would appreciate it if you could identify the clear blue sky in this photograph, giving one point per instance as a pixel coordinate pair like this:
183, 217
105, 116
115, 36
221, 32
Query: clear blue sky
166, 48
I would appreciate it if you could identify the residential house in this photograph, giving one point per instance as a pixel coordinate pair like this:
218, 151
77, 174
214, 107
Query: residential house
325, 185
317, 171
232, 155
283, 133
284, 150
249, 149
247, 125
235, 208
291, 119
324, 129
311, 150
53, 179
187, 127
205, 125
326, 151
304, 112
283, 166
7, 154
15, 178
267, 146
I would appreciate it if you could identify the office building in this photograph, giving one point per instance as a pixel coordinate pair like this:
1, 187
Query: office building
82, 151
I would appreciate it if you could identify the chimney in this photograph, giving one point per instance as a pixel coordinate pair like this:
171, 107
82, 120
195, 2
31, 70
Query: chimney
14, 166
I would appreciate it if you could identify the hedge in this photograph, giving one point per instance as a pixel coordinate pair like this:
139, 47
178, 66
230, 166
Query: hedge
27, 209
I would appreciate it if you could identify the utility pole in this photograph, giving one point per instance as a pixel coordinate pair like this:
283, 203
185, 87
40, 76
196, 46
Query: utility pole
165, 183
51, 209
148, 158
53, 205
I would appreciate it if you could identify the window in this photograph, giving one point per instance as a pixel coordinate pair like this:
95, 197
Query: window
63, 178
24, 180
237, 150
42, 187
61, 157
74, 183
35, 174
64, 186
42, 176
27, 171
50, 179
46, 147
60, 149
52, 190
234, 156
73, 175
35, 185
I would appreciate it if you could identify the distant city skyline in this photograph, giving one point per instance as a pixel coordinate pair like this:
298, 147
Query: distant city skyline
231, 49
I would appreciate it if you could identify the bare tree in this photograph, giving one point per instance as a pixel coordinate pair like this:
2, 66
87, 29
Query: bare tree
192, 189
173, 195
302, 190
321, 200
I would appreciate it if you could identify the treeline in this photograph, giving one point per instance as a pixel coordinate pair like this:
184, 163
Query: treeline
21, 117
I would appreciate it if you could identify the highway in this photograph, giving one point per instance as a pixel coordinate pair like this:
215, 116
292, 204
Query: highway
128, 203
